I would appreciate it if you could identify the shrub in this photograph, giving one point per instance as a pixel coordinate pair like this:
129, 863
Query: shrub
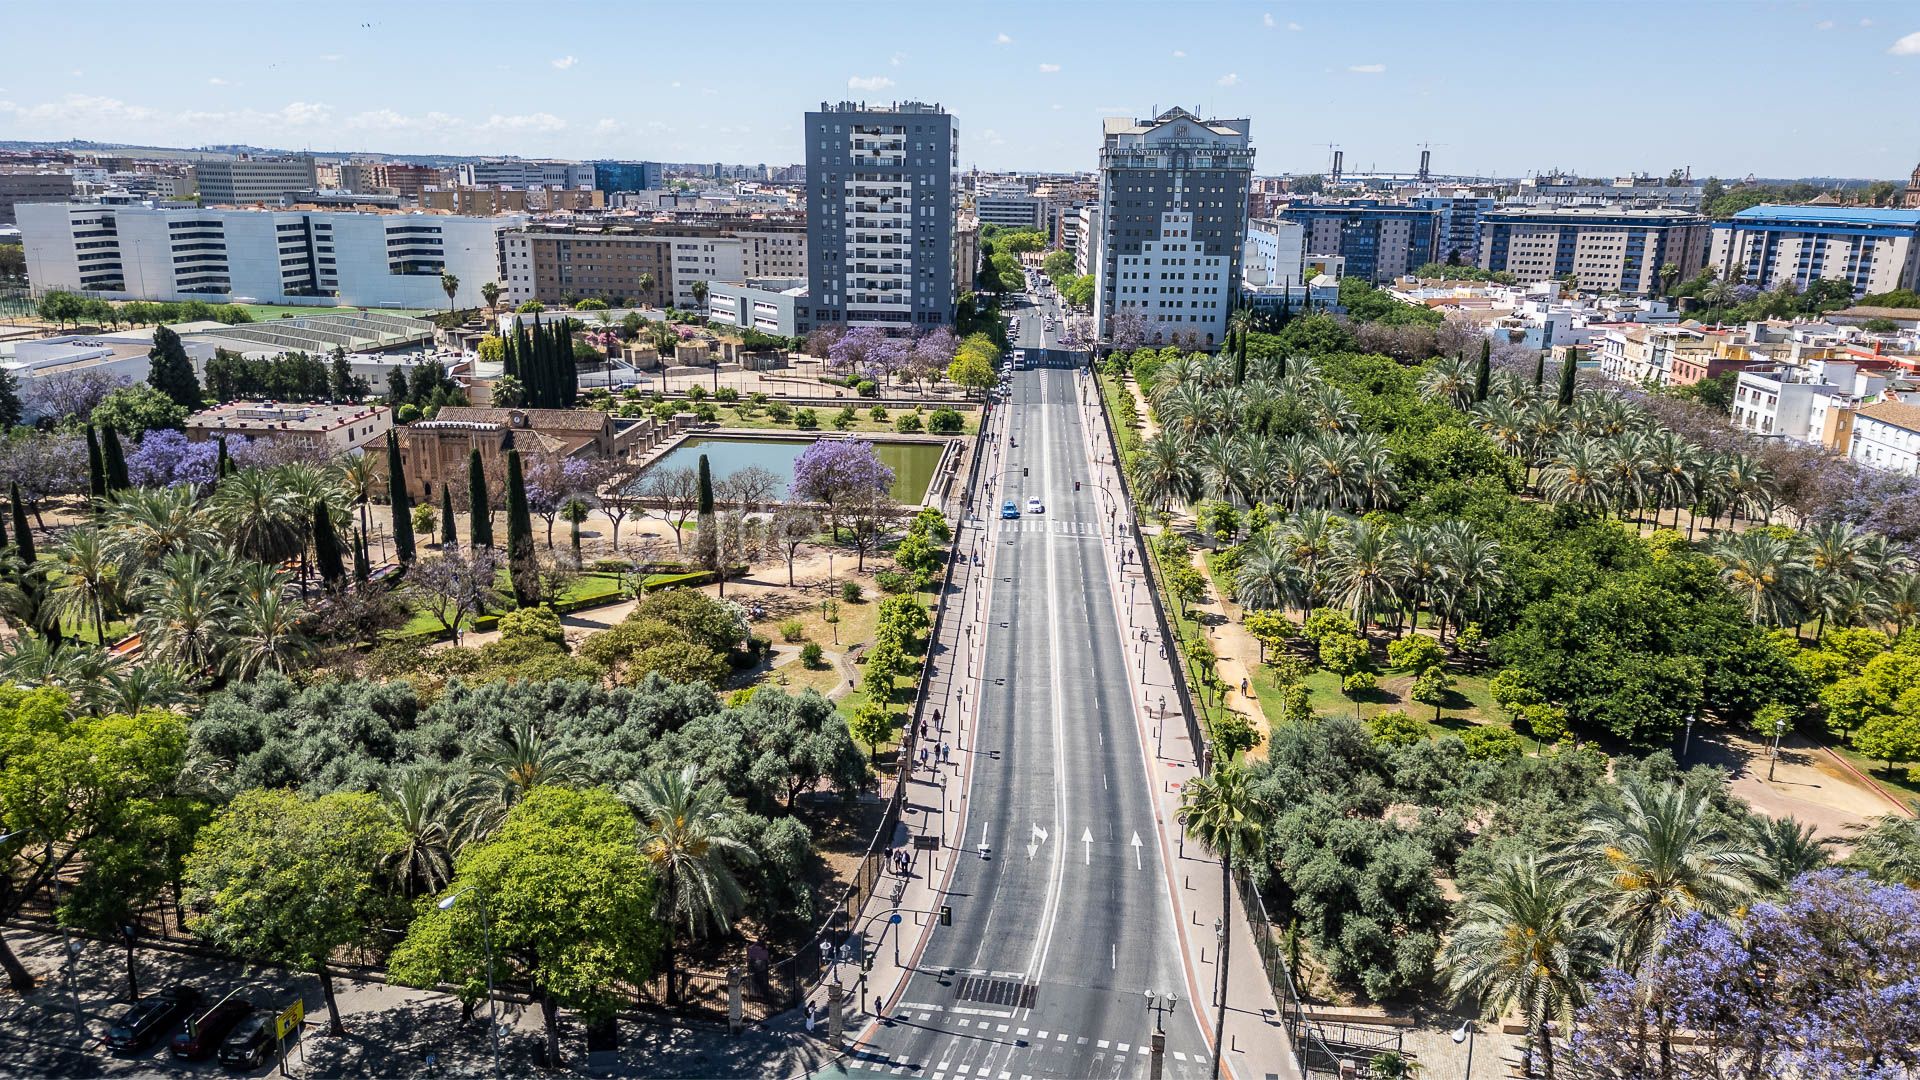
845, 418
792, 630
866, 388
892, 581
1415, 652
778, 412
946, 422
878, 414
424, 519
1396, 728
851, 592
535, 624
706, 412
1488, 743
696, 392
727, 394
907, 423
408, 413
810, 654
806, 420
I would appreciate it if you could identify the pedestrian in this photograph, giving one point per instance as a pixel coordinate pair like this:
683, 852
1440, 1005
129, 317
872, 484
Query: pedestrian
1243, 689
936, 721
923, 757
946, 752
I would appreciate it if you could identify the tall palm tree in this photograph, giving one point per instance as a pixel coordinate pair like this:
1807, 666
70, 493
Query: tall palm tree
268, 632
1468, 567
1268, 576
646, 288
1765, 571
1448, 380
449, 284
360, 477
1186, 407
1163, 471
1662, 855
1901, 594
1309, 538
1837, 554
1577, 473
1217, 466
1672, 463
1502, 422
1223, 815
683, 833
504, 770
145, 525
423, 804
1290, 472
186, 610
1626, 467
1336, 478
490, 292
149, 686
86, 579
1367, 565
1331, 411
1527, 938
82, 670
1787, 849
258, 516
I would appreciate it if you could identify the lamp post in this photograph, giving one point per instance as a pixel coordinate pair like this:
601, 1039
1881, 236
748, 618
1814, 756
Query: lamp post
1158, 1004
1464, 1034
1687, 741
1779, 729
486, 944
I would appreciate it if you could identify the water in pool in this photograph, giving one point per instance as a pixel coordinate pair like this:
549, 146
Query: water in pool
912, 463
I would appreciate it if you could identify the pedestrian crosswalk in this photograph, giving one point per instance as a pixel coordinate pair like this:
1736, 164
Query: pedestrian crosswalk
1049, 526
997, 1047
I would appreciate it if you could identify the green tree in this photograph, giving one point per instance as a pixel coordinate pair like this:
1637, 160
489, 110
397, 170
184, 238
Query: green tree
520, 560
1567, 367
1222, 814
448, 536
1432, 687
1529, 940
137, 409
72, 789
972, 370
96, 467
684, 838
563, 897
400, 502
171, 372
449, 284
327, 553
479, 514
286, 879
1893, 736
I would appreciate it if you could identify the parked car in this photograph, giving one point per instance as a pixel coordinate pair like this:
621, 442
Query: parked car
144, 1021
208, 1030
251, 1044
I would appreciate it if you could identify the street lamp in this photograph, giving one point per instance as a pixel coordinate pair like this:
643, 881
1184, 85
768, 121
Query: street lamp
1464, 1034
486, 944
1779, 729
1688, 740
1159, 1004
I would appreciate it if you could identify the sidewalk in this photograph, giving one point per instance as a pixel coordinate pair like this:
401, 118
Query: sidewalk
1256, 1045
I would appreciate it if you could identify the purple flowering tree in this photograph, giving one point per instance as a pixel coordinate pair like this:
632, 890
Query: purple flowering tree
57, 397
837, 473
45, 465
1822, 984
165, 458
888, 357
931, 353
848, 352
1126, 329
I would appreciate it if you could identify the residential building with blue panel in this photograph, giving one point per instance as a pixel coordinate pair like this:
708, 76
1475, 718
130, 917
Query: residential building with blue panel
1873, 250
1608, 250
612, 176
1460, 215
1380, 241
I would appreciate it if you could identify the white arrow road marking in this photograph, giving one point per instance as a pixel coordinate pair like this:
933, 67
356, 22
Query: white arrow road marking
1035, 838
1086, 837
1136, 852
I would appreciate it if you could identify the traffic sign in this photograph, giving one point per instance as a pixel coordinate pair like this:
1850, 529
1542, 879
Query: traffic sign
289, 1019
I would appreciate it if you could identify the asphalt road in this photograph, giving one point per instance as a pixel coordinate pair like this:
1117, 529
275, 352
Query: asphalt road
1061, 913
1034, 312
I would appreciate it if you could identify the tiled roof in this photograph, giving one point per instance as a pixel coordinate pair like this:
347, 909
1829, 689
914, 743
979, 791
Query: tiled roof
1896, 413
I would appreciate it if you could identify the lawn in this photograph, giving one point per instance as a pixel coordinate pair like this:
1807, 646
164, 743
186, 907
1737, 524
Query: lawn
269, 312
591, 585
1470, 703
1897, 780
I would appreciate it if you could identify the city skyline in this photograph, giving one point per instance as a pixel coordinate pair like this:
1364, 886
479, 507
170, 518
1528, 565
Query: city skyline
1027, 84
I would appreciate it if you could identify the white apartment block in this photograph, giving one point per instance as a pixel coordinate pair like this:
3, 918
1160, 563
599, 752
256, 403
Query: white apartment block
1276, 253
1010, 205
1887, 436
262, 256
1873, 250
1086, 240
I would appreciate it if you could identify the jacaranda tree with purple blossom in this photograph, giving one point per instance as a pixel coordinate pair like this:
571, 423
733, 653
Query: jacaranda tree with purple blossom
1824, 984
835, 472
165, 458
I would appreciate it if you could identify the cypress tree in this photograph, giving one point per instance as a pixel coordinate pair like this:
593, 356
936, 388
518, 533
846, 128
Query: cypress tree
1484, 373
116, 461
96, 466
223, 465
326, 545
1566, 379
22, 536
170, 371
519, 532
1240, 361
447, 534
1540, 370
362, 566
570, 371
480, 527
402, 506
706, 488
509, 354
1283, 365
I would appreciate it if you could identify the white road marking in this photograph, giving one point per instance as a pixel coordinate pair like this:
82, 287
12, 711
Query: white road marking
1037, 965
1136, 852
1086, 837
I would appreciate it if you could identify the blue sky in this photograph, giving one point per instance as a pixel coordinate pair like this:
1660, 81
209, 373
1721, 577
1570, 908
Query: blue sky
1777, 89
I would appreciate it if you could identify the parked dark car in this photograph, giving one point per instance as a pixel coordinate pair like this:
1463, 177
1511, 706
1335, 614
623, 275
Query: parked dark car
250, 1045
145, 1021
208, 1030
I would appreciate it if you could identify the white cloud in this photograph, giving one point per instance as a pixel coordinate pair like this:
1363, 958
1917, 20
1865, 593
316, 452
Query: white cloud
1002, 39
676, 84
609, 126
869, 82
1048, 69
534, 122
1267, 20
1229, 79
1907, 46
1295, 27
565, 62
1367, 69
992, 138
1179, 54
1057, 106
331, 58
1864, 23
898, 59
1823, 24
218, 81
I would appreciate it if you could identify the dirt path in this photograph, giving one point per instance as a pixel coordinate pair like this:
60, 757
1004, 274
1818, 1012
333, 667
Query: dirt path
1235, 650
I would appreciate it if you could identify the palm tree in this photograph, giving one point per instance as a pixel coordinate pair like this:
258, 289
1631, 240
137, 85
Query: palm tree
1577, 473
1888, 848
1268, 576
145, 525
359, 479
699, 291
1663, 854
1838, 554
1217, 466
1901, 593
1765, 571
186, 609
1671, 464
33, 660
1367, 565
449, 284
1336, 472
1787, 849
1449, 381
267, 633
1331, 411
1502, 422
149, 686
422, 803
1527, 938
683, 833
1309, 538
504, 770
490, 292
1185, 407
646, 287
1223, 815
1376, 481
1468, 566
257, 515
85, 579
1163, 471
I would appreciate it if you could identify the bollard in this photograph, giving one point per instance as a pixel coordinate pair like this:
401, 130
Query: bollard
1159, 1054
836, 1019
735, 1011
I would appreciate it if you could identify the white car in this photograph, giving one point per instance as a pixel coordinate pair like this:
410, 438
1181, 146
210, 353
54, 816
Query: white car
1035, 506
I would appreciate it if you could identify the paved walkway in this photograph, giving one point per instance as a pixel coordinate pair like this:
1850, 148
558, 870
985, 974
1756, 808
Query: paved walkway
1235, 652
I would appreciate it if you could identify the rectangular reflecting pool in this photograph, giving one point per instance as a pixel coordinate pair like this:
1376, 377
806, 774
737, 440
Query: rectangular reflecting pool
913, 463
